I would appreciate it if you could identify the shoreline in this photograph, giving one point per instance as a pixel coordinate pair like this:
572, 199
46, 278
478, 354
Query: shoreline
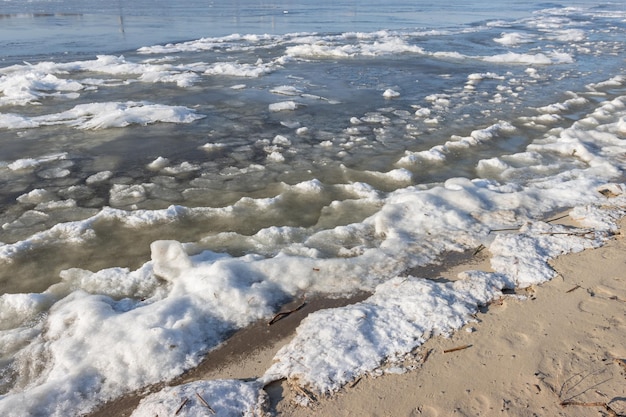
519, 358
559, 352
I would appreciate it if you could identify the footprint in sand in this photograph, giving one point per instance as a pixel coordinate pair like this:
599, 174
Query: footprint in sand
608, 291
517, 340
425, 411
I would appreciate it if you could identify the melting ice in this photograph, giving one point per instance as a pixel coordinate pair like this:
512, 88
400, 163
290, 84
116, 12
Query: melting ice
155, 202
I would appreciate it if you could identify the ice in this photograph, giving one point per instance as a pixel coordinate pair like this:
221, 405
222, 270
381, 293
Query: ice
389, 93
240, 70
35, 196
514, 39
169, 259
281, 141
318, 47
531, 59
284, 106
30, 163
99, 177
18, 309
159, 163
286, 90
29, 87
333, 347
104, 115
439, 153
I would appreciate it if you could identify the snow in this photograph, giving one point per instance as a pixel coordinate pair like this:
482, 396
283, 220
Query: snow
227, 398
335, 346
104, 116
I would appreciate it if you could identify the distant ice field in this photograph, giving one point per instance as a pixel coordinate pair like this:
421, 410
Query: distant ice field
173, 174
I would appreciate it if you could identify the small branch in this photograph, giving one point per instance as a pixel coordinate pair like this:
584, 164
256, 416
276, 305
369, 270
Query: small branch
284, 314
582, 233
582, 404
180, 407
304, 393
611, 412
479, 249
457, 348
206, 404
557, 218
426, 355
573, 289
355, 383
513, 229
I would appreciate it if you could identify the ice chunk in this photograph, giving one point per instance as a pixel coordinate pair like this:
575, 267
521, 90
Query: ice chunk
169, 259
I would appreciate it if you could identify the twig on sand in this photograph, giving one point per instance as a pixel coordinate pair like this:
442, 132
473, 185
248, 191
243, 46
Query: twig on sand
457, 348
206, 404
479, 249
573, 289
180, 407
355, 383
283, 314
304, 393
426, 355
611, 412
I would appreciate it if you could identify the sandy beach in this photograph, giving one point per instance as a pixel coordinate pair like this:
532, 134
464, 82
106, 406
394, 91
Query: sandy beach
558, 349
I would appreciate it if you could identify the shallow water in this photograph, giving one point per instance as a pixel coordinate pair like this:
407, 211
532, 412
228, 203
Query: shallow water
232, 151
275, 140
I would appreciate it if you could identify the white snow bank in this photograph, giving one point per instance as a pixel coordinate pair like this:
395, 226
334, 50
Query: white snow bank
334, 346
104, 115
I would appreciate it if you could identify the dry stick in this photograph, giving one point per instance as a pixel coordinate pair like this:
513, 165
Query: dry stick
513, 229
583, 233
284, 314
479, 249
354, 384
611, 412
206, 404
304, 393
457, 348
180, 407
573, 289
557, 218
426, 355
582, 404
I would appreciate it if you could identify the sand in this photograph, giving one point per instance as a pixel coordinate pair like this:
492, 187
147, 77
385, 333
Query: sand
558, 349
